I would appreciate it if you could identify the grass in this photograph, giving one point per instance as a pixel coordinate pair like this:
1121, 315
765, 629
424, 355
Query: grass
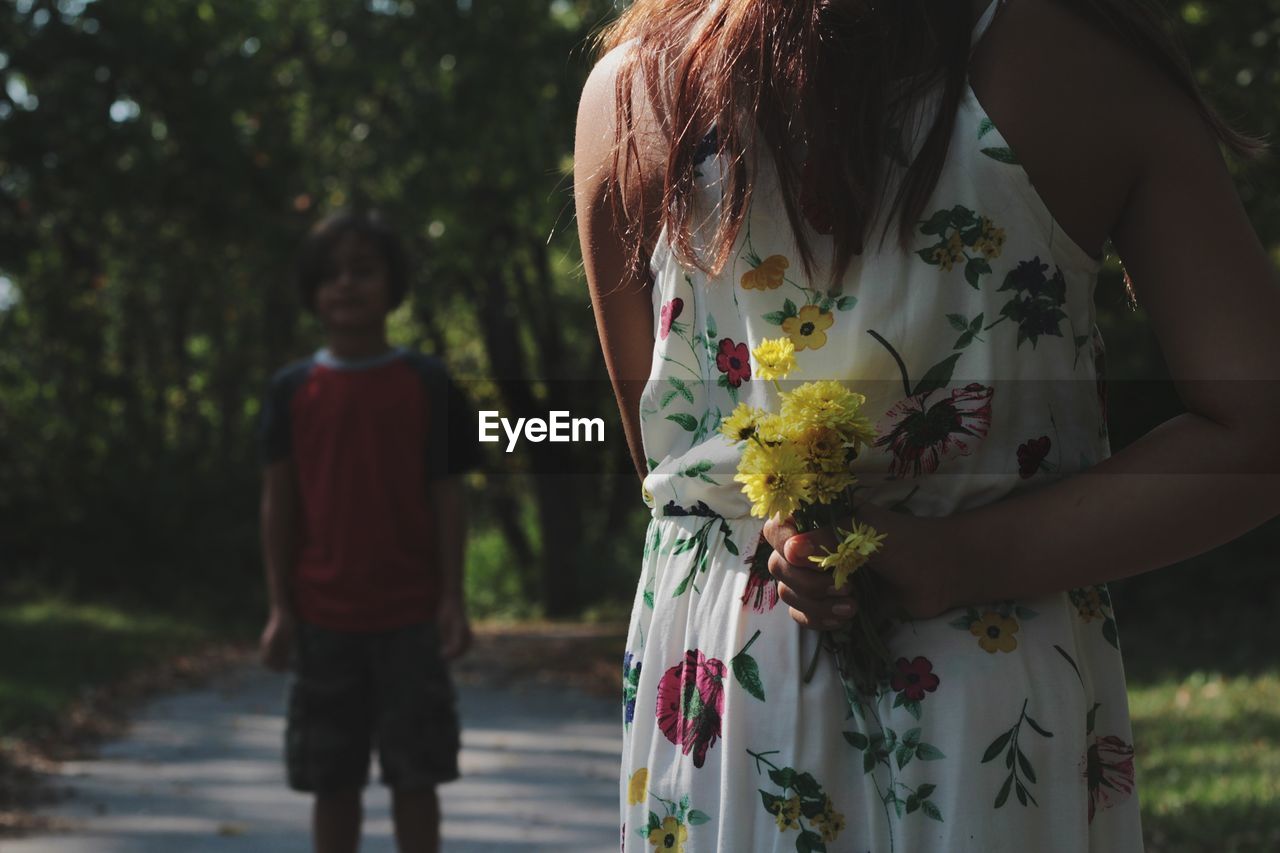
52, 649
1208, 762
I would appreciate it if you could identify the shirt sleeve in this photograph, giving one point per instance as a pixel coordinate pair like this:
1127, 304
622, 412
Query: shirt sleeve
275, 426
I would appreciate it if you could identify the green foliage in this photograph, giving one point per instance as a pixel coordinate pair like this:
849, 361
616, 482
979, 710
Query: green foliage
51, 649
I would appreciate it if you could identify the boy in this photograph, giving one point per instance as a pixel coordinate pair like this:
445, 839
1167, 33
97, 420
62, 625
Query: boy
363, 536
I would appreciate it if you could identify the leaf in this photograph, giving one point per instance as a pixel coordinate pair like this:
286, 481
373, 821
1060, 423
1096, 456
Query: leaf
936, 224
747, 671
890, 738
810, 842
1109, 633
976, 325
807, 786
789, 308
654, 821
783, 777
898, 806
912, 737
961, 622
653, 463
697, 818
1069, 660
1004, 791
913, 708
774, 318
927, 255
824, 304
856, 739
975, 269
1003, 154
900, 700
667, 398
1038, 728
1025, 612
996, 745
844, 303
925, 790
913, 803
985, 127
1022, 794
1025, 765
958, 322
1091, 718
903, 755
937, 376
688, 422
868, 761
931, 811
772, 802
964, 340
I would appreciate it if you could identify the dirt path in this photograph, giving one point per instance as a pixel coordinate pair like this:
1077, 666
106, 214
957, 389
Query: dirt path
201, 770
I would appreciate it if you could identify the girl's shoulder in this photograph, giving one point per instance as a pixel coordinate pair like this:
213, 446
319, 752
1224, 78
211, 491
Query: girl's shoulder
1082, 107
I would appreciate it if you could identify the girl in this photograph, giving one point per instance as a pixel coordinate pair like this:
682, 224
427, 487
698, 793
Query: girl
917, 194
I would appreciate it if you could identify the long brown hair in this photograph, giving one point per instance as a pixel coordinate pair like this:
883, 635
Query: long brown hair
763, 73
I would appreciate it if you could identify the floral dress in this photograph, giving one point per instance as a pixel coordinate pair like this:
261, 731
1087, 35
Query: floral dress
1004, 725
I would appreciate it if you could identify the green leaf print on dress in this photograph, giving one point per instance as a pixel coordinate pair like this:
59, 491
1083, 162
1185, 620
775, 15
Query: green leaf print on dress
1015, 760
671, 831
699, 543
1037, 302
963, 237
921, 433
801, 805
885, 753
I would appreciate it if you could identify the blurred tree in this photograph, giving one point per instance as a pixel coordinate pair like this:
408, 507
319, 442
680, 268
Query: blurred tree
159, 163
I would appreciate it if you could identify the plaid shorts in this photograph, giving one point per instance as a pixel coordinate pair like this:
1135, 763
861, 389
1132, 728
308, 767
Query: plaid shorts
351, 691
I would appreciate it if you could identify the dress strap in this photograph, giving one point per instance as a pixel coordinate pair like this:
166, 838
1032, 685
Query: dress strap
984, 23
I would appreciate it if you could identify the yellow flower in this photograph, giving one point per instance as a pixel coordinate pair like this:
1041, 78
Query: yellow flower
992, 240
828, 486
743, 423
670, 836
829, 821
774, 478
951, 254
773, 429
995, 632
638, 787
788, 814
768, 276
775, 358
858, 546
825, 403
824, 448
807, 330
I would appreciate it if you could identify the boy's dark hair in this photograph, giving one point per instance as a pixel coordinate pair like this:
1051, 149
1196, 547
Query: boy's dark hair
314, 256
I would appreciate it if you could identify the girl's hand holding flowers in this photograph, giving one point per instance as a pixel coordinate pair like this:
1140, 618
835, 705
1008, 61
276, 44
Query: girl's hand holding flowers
916, 571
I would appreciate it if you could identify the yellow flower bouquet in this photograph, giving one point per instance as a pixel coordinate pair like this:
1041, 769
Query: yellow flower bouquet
797, 462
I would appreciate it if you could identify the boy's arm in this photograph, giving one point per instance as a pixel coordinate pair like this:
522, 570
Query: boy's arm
279, 513
451, 542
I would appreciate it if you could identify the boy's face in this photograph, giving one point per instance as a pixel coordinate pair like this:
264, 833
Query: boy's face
354, 293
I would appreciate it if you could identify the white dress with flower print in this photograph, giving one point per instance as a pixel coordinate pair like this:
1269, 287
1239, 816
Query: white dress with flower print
1004, 726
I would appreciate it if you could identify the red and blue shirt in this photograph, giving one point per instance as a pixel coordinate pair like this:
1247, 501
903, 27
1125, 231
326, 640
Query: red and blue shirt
366, 437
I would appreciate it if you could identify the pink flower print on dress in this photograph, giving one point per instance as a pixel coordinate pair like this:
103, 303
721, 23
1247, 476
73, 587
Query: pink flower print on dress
922, 435
670, 312
1109, 772
690, 704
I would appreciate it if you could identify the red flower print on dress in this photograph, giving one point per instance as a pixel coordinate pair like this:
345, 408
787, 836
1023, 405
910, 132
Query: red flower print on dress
734, 361
670, 312
1109, 772
914, 678
690, 703
922, 435
761, 594
1031, 456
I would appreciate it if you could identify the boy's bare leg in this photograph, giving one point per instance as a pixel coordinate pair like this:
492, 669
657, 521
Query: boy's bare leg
335, 821
417, 820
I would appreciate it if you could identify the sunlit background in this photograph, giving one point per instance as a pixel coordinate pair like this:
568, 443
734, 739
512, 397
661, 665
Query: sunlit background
159, 162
